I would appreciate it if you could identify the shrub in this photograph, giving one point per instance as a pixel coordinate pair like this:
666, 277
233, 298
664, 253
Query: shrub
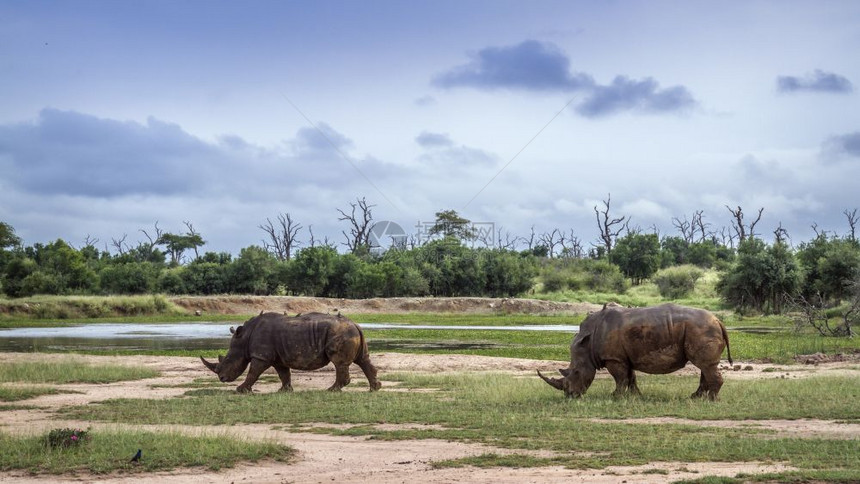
678, 281
63, 438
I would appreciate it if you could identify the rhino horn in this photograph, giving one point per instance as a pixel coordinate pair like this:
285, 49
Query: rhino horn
220, 358
564, 371
209, 365
553, 382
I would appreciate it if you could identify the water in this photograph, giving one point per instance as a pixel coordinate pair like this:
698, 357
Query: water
197, 336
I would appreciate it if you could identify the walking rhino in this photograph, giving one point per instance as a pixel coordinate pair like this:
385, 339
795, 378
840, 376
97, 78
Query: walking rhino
303, 342
656, 340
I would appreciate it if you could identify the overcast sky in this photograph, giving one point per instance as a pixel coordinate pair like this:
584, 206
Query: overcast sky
115, 115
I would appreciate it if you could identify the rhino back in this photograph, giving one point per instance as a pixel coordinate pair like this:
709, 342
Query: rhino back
656, 339
305, 343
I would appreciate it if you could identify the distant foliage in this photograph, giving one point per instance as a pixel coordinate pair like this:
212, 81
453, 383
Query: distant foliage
678, 281
598, 275
762, 278
637, 255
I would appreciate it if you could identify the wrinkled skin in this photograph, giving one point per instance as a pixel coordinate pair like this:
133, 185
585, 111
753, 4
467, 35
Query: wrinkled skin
304, 342
655, 340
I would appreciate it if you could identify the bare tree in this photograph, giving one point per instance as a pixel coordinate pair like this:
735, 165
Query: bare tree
551, 240
509, 242
685, 228
781, 234
571, 246
609, 227
698, 225
741, 230
90, 241
148, 248
530, 241
194, 238
816, 314
119, 244
852, 223
283, 238
360, 224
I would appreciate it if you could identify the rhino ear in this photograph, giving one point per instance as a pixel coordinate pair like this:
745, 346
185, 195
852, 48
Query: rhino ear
261, 312
239, 331
232, 330
584, 341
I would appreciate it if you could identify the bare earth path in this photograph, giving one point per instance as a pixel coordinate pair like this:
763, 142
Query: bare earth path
326, 458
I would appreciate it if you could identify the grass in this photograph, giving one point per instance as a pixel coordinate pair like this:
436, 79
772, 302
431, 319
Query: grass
526, 414
109, 451
14, 394
77, 307
70, 371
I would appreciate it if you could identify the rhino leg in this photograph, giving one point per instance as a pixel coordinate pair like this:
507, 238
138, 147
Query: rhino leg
286, 378
621, 373
632, 388
254, 371
709, 383
341, 379
370, 372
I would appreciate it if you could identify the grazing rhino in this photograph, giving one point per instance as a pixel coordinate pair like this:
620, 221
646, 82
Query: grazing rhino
304, 342
659, 339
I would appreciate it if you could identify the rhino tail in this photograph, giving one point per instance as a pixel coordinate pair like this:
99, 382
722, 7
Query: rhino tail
363, 352
726, 339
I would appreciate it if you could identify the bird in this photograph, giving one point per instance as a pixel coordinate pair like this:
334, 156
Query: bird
136, 457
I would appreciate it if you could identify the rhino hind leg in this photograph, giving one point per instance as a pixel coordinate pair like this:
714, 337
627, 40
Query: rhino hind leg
341, 378
370, 372
709, 383
286, 378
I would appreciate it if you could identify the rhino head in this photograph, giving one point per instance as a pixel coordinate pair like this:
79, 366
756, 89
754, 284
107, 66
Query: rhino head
577, 377
234, 364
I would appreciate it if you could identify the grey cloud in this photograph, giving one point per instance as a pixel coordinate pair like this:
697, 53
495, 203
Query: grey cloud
425, 101
429, 140
77, 154
644, 96
841, 146
543, 67
530, 65
323, 138
817, 81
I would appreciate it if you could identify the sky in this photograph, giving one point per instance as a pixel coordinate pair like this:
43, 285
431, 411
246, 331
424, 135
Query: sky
115, 116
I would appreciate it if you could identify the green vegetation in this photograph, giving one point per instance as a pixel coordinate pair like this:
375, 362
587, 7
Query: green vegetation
524, 413
15, 393
70, 371
88, 307
109, 451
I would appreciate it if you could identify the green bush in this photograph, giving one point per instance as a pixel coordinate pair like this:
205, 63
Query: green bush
678, 281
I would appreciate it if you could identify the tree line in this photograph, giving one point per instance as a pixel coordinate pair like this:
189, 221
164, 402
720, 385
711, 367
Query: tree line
453, 259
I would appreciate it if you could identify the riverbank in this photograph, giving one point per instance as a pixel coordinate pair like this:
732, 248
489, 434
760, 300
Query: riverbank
86, 307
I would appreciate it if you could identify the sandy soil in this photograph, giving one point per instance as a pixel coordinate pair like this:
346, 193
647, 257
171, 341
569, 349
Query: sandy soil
326, 458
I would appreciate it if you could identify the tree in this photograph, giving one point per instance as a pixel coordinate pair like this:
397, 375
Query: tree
252, 271
358, 239
762, 278
7, 237
283, 238
638, 255
741, 229
830, 265
609, 227
450, 224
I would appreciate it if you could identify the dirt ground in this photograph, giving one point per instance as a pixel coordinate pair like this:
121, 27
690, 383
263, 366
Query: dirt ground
327, 458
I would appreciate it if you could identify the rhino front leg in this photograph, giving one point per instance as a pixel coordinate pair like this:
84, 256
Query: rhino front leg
621, 373
341, 379
632, 388
286, 378
254, 371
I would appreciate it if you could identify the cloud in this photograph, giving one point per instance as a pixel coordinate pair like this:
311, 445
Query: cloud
440, 148
530, 65
543, 67
840, 147
425, 101
429, 140
644, 96
817, 81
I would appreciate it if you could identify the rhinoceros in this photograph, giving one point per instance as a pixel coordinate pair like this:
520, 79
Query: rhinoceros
304, 342
656, 340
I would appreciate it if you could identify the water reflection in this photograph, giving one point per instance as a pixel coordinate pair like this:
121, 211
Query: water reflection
205, 336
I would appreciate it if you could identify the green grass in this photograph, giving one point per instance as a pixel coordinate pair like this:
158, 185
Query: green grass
526, 414
70, 371
109, 451
14, 394
70, 307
